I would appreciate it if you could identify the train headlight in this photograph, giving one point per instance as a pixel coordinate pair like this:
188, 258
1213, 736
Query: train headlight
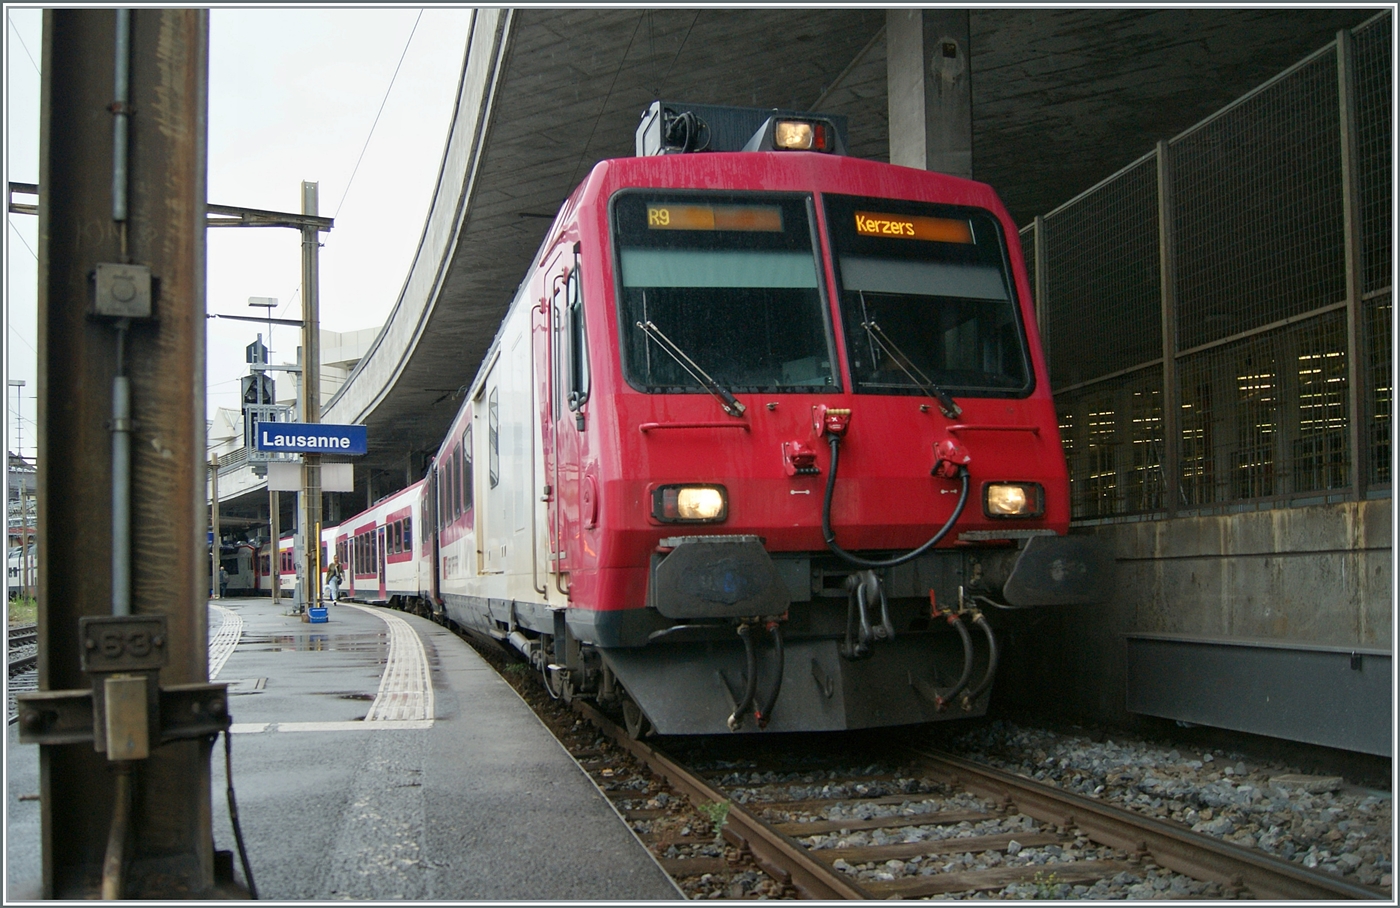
797, 134
1013, 499
793, 134
689, 504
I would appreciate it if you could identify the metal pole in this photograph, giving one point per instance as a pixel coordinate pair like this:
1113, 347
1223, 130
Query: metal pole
1042, 279
310, 522
1351, 230
121, 479
214, 592
275, 559
26, 580
172, 854
18, 385
26, 539
1166, 249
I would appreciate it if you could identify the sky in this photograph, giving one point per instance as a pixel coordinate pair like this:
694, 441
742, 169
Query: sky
293, 95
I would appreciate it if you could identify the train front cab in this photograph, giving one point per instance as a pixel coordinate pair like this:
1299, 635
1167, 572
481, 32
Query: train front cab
698, 380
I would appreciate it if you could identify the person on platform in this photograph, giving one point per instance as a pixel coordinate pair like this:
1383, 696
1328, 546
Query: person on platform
223, 582
334, 575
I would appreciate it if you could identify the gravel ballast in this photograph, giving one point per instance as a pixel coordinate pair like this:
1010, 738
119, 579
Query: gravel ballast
1315, 820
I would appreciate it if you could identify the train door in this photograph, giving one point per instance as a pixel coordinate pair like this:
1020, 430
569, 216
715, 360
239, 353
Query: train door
542, 431
381, 551
569, 392
518, 465
493, 527
428, 523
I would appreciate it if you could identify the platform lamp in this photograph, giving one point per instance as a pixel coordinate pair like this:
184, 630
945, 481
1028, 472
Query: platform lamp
273, 505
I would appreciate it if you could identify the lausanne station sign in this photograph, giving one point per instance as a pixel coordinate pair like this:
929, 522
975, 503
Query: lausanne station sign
311, 438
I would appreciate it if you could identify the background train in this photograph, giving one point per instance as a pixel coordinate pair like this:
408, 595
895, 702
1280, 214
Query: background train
764, 441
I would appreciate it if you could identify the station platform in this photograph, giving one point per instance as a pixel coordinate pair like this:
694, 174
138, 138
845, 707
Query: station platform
377, 756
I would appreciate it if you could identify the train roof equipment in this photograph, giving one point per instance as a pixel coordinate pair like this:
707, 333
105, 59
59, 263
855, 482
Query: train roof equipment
671, 127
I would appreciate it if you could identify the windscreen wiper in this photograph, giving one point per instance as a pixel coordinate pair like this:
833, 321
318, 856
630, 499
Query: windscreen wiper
726, 400
945, 401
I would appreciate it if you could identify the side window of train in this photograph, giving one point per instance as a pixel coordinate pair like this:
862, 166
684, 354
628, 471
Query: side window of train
444, 487
467, 467
408, 534
578, 341
454, 499
452, 509
493, 454
458, 464
450, 505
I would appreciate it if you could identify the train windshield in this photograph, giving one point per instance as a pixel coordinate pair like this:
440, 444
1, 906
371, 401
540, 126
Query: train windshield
724, 286
927, 298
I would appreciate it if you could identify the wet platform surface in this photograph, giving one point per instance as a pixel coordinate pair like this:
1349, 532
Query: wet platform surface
377, 756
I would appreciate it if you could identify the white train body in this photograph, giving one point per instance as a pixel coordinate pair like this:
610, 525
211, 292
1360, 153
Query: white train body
381, 550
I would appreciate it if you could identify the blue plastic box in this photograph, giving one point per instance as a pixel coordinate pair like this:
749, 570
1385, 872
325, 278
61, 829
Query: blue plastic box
318, 615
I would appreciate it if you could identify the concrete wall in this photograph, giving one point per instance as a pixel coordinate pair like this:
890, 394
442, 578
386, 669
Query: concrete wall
1306, 577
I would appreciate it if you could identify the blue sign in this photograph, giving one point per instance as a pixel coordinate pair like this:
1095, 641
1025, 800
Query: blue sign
311, 438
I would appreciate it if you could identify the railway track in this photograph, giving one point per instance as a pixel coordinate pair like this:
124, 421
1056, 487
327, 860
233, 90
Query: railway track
23, 659
862, 842
23, 648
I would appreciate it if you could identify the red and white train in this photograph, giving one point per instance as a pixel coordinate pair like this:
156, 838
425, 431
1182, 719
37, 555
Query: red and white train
765, 440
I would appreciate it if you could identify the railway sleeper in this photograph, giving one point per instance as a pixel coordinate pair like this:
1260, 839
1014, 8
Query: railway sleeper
996, 879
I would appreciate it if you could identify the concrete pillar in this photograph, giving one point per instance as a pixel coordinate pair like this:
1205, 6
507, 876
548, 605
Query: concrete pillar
930, 89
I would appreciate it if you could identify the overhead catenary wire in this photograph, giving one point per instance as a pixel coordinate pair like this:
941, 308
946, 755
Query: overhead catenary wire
387, 91
583, 156
11, 20
677, 57
22, 239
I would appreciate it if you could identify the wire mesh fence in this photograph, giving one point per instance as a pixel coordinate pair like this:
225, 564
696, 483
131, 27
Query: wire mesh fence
1257, 194
1373, 107
1257, 298
1380, 388
1113, 440
1028, 253
1103, 280
1266, 416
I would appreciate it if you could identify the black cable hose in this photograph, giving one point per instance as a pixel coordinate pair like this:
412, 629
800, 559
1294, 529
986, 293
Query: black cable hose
544, 676
233, 815
682, 131
736, 721
941, 702
889, 562
863, 604
765, 712
986, 681
852, 649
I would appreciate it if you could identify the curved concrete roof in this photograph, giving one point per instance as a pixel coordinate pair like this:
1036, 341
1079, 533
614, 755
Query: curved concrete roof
1061, 99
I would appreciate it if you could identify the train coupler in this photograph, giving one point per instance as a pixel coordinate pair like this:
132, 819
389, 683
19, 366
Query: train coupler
863, 589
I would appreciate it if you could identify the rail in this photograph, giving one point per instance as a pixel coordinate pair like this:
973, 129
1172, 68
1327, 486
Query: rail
1238, 870
1170, 846
779, 855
